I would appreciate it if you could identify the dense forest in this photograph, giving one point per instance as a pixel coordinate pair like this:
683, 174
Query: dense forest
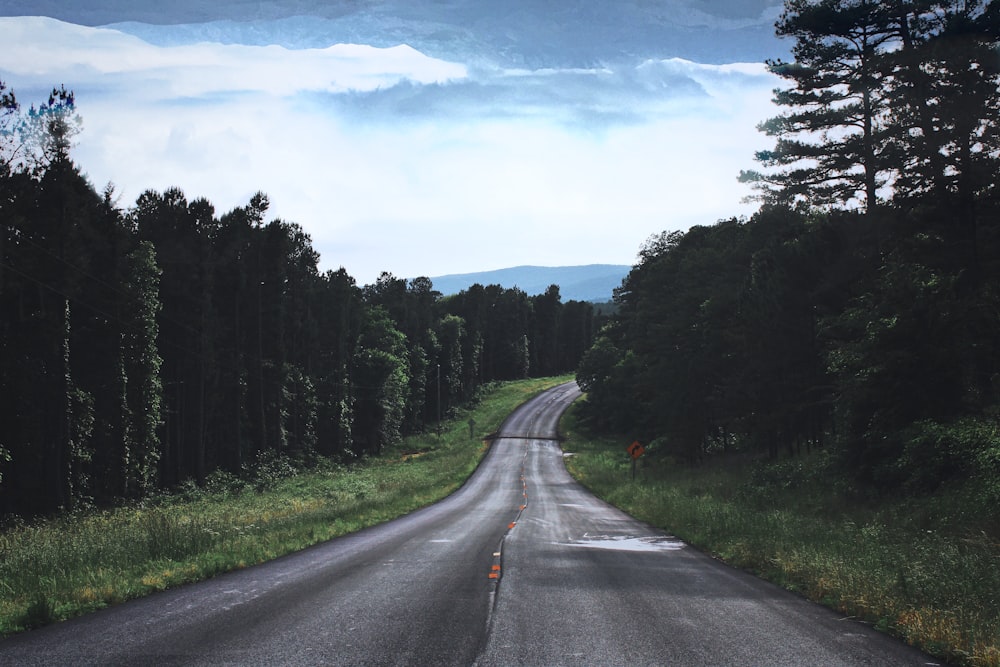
859, 309
154, 345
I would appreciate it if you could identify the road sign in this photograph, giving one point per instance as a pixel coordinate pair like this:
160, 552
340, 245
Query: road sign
635, 450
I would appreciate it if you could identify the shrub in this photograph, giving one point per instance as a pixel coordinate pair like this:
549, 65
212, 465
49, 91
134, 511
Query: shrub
935, 453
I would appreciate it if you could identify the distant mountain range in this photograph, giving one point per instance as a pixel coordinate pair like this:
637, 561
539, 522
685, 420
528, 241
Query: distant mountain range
593, 282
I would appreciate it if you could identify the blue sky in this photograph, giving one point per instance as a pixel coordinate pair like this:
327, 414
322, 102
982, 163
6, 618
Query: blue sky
399, 160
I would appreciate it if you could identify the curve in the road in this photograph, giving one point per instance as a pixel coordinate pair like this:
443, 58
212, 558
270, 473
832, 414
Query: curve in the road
521, 566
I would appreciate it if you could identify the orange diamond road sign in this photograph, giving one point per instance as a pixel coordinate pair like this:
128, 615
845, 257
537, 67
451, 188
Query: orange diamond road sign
635, 450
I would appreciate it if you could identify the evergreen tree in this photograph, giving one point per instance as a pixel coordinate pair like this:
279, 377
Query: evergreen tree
339, 314
833, 143
380, 378
180, 233
451, 336
141, 364
546, 312
576, 333
946, 107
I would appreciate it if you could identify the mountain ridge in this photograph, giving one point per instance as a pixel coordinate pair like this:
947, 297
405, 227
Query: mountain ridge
587, 282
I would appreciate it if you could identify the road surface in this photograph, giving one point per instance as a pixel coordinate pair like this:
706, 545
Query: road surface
519, 567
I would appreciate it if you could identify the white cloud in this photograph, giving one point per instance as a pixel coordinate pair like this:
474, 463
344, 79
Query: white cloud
37, 45
395, 161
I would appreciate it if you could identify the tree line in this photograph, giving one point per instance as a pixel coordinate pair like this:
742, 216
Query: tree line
144, 347
859, 308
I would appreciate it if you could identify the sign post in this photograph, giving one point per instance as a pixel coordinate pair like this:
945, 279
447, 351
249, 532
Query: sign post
635, 450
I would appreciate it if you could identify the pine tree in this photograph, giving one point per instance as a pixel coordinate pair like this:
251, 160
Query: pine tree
833, 142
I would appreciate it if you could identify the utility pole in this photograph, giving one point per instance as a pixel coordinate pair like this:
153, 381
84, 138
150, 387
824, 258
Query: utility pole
439, 400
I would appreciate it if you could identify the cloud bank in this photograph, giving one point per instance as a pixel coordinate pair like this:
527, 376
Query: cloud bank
394, 160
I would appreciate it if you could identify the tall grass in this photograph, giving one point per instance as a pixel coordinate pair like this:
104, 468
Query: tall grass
59, 568
924, 569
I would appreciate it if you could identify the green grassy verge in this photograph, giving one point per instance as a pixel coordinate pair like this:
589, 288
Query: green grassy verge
926, 570
67, 566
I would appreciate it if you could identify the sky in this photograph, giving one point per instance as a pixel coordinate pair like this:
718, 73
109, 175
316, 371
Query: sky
396, 159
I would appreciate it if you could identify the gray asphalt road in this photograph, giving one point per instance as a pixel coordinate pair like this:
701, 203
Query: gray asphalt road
521, 566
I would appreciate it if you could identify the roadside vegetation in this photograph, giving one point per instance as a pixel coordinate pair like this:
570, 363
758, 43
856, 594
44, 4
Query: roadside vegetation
925, 569
818, 385
55, 569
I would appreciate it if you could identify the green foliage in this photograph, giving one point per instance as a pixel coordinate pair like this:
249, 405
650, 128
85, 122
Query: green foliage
382, 376
831, 146
936, 453
224, 483
141, 366
597, 365
874, 102
31, 141
714, 347
268, 470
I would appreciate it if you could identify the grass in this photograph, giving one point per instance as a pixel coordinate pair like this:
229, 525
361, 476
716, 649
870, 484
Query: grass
924, 569
69, 565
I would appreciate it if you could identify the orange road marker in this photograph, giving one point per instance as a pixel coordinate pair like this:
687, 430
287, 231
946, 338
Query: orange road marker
512, 524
